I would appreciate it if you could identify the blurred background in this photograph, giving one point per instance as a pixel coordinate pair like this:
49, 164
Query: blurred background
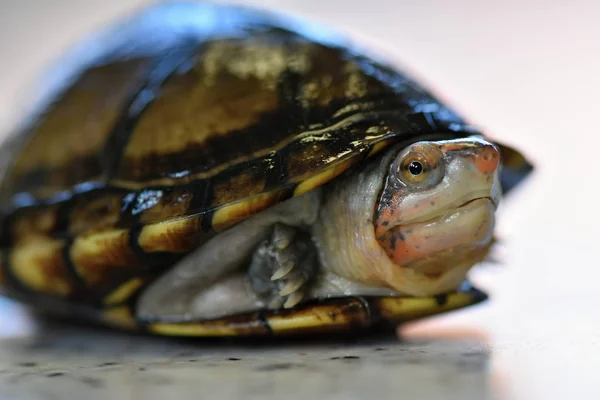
526, 72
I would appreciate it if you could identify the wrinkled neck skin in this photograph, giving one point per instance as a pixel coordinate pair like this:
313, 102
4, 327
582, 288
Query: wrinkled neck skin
344, 232
354, 241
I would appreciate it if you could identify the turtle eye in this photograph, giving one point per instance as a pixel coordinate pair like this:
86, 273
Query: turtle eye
421, 166
414, 169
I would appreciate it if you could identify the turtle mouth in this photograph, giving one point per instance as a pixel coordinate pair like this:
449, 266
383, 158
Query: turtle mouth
478, 198
460, 203
439, 241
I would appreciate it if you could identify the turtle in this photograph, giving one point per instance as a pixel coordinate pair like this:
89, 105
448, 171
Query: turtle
201, 169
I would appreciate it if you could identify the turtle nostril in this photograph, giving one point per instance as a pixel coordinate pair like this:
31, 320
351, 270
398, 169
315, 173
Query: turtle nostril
487, 159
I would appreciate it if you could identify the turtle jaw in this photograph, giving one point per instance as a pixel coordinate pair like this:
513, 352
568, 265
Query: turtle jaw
440, 247
462, 202
431, 232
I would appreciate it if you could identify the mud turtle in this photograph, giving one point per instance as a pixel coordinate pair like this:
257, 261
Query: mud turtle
215, 170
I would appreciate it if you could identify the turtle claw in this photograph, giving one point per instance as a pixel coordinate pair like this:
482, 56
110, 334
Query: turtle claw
282, 266
282, 236
291, 286
293, 299
285, 269
282, 244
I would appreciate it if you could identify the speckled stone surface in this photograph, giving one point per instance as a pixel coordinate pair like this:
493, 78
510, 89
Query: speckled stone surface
60, 362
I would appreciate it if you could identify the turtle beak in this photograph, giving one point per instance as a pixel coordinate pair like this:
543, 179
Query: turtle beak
484, 159
487, 161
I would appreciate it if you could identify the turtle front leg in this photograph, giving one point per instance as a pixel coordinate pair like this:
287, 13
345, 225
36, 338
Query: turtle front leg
283, 266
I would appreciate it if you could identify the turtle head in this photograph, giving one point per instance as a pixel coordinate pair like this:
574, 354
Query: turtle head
434, 218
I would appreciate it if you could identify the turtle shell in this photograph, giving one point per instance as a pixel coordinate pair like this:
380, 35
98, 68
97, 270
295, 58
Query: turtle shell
175, 125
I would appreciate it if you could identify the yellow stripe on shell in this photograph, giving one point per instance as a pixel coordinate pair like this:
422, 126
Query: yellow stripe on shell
175, 236
377, 147
402, 309
229, 215
321, 318
323, 177
221, 327
123, 292
38, 264
318, 318
94, 255
344, 315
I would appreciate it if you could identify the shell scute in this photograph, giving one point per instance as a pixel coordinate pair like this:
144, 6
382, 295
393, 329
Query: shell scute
57, 156
38, 264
